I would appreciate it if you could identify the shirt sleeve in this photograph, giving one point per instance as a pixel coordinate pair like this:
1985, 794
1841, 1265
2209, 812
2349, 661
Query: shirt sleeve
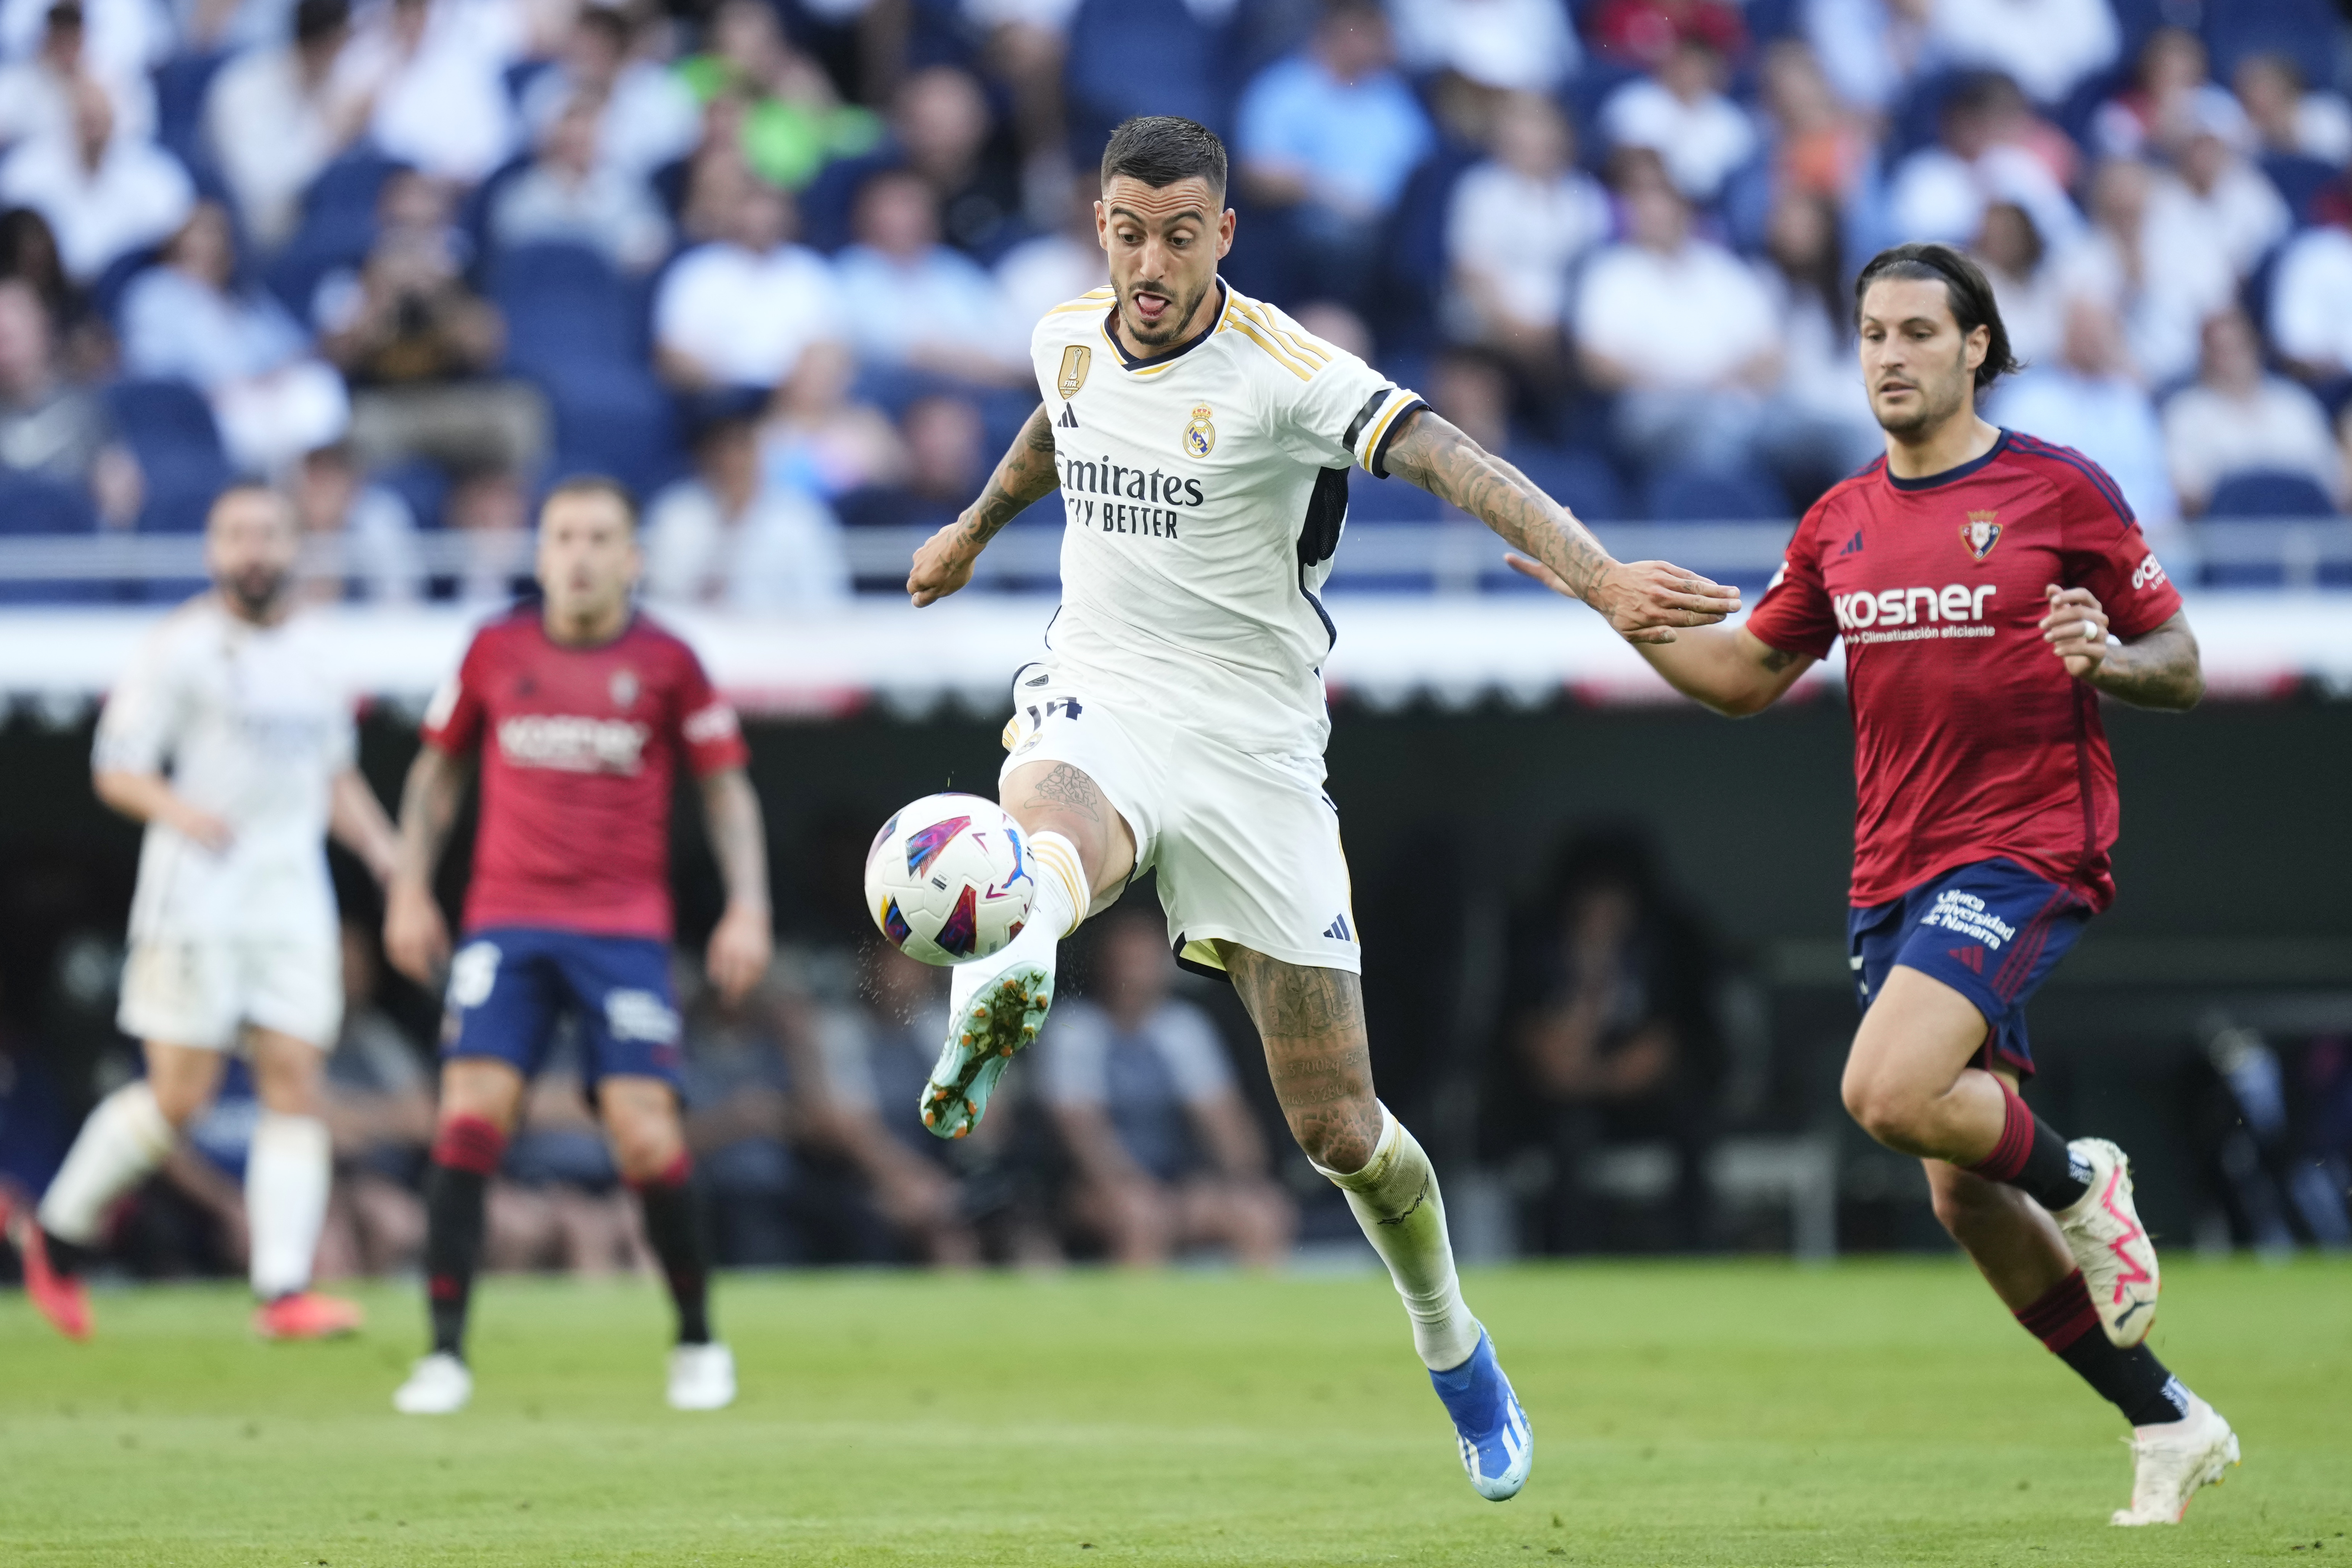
1330, 407
2106, 551
454, 719
1194, 1055
707, 732
1795, 615
140, 723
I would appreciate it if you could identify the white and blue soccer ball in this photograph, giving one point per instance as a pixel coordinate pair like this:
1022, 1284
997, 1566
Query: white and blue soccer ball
949, 878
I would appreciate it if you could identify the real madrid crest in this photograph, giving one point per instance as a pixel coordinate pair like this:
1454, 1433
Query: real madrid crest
1201, 435
624, 687
1076, 360
1981, 532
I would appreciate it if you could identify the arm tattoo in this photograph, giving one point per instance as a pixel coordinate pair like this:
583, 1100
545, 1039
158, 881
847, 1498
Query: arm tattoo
730, 813
2160, 669
1449, 466
1066, 786
1776, 659
429, 808
1025, 474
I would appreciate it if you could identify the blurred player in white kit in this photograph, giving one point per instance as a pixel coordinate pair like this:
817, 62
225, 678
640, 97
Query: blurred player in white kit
230, 737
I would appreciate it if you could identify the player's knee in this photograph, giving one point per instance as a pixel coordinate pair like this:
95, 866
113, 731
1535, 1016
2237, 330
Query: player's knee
647, 1144
178, 1098
1887, 1112
1337, 1138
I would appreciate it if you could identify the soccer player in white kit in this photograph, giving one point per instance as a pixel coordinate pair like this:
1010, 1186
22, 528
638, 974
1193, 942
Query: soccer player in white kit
230, 737
1202, 442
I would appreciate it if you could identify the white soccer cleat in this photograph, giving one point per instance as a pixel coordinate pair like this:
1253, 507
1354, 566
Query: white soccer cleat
701, 1377
2170, 1462
437, 1385
2109, 1243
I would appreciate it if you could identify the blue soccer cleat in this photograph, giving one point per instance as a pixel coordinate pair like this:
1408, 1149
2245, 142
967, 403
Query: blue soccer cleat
1498, 1446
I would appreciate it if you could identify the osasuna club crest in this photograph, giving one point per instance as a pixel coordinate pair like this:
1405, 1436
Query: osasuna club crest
1981, 532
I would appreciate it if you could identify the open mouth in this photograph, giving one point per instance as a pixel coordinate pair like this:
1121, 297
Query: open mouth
1153, 308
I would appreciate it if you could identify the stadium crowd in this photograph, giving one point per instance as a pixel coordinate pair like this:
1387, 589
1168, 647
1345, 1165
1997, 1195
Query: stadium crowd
773, 261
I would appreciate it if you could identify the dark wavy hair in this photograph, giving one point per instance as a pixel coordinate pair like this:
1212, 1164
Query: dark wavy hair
1162, 149
1965, 284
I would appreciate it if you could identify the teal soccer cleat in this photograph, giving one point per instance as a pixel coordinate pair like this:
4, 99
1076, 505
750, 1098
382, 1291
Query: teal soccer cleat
1004, 1017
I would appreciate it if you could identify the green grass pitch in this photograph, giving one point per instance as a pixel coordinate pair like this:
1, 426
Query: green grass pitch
1685, 1413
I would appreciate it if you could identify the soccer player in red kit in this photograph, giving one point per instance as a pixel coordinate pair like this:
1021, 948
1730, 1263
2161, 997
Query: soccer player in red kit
1989, 587
581, 711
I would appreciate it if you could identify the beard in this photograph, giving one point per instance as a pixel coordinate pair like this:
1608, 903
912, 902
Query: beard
255, 591
1179, 313
1936, 404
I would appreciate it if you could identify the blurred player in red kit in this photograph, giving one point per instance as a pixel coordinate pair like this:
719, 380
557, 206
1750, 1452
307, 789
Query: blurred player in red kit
580, 711
1989, 587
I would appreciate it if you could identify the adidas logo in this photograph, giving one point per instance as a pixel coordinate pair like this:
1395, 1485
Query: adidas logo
1338, 931
1854, 545
1971, 956
1070, 419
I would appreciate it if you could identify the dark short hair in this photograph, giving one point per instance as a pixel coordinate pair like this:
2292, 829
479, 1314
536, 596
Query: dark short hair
592, 485
1162, 149
317, 19
1965, 284
252, 486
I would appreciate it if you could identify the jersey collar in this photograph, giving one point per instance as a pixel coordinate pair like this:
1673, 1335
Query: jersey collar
1929, 481
1129, 362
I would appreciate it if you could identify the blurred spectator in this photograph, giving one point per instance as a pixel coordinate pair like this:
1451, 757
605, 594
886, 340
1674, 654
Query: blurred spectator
105, 195
911, 303
436, 70
123, 41
1679, 329
187, 320
1613, 1038
1518, 224
2169, 88
1644, 32
276, 115
570, 196
941, 122
742, 310
793, 122
488, 509
2046, 46
1817, 427
2288, 116
1056, 267
646, 115
28, 254
2310, 303
2025, 280
414, 339
876, 1057
2087, 399
822, 439
2238, 418
53, 431
1680, 114
1818, 144
378, 1104
740, 1115
1329, 136
1026, 49
2153, 256
1167, 1155
367, 533
1513, 46
727, 536
2230, 200
1989, 148
1871, 50
945, 465
36, 90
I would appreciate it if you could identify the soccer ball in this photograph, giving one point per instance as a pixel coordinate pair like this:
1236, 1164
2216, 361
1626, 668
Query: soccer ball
949, 878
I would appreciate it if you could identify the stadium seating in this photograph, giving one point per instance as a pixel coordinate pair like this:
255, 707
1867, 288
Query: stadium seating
2266, 493
1703, 494
577, 329
170, 429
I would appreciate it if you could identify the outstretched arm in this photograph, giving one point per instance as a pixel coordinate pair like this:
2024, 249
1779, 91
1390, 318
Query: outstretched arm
1022, 475
415, 938
1643, 600
741, 943
2159, 668
1728, 668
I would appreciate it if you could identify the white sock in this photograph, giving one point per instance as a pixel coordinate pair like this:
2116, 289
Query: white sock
1395, 1199
287, 1169
1061, 886
124, 1139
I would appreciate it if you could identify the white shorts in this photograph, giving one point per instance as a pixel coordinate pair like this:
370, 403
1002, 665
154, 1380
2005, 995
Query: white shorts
1246, 845
201, 993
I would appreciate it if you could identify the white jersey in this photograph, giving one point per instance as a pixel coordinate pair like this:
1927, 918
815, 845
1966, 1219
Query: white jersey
1205, 492
252, 726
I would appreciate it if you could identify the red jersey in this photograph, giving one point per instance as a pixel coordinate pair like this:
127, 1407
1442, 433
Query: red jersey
578, 748
1970, 740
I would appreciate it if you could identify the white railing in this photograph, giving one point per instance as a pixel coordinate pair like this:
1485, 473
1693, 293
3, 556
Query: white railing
1446, 558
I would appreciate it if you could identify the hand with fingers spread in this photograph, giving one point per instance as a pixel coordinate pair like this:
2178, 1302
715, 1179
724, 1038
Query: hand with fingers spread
1643, 600
2077, 630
